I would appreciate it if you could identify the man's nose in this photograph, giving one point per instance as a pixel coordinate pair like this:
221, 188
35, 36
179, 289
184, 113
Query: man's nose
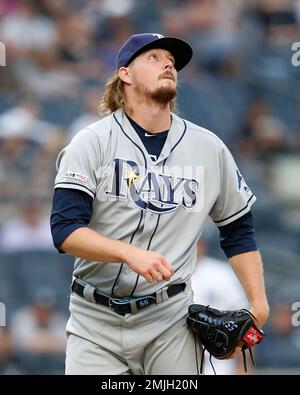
169, 64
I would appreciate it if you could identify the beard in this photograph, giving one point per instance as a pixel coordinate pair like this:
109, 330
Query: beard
162, 95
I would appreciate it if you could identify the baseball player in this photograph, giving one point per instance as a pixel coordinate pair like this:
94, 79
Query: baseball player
132, 193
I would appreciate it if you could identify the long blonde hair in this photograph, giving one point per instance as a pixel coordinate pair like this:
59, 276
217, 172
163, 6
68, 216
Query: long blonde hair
113, 97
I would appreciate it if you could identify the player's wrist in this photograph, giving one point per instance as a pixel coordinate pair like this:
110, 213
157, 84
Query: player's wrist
261, 312
127, 253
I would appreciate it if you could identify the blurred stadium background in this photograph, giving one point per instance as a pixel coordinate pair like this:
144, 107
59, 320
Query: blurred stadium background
241, 85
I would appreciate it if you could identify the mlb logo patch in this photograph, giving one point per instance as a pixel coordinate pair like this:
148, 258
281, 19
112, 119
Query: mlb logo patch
76, 176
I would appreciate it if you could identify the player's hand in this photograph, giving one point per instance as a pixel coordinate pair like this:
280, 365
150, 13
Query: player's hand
149, 264
262, 314
237, 350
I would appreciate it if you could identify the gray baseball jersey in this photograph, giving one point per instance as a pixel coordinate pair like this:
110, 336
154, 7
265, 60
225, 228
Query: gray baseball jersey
159, 206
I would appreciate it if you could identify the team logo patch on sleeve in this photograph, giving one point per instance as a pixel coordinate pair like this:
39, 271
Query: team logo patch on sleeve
242, 186
76, 176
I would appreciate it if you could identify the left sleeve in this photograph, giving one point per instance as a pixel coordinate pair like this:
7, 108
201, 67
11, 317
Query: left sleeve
238, 237
79, 163
235, 197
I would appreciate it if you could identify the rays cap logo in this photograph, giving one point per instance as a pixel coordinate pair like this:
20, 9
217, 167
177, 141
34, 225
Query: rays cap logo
139, 43
2, 54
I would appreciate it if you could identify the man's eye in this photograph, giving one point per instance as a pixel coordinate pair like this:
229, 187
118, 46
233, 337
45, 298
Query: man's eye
152, 57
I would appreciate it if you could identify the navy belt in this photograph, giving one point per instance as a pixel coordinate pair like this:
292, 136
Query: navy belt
127, 304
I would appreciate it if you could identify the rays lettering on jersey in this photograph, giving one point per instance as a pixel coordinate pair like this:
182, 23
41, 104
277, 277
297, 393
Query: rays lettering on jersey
160, 193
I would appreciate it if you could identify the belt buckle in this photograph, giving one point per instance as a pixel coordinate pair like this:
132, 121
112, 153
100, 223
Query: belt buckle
119, 306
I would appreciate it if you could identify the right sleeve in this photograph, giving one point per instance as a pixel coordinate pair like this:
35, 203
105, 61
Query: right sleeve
235, 197
238, 236
78, 163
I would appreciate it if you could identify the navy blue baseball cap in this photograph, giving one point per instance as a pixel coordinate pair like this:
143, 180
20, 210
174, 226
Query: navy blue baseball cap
138, 43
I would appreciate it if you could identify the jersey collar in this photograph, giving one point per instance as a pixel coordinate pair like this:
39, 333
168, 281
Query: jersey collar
174, 138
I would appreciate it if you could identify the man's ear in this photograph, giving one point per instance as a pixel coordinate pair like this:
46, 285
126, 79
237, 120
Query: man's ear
124, 75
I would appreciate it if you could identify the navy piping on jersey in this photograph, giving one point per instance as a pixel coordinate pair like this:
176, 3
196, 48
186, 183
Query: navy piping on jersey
185, 127
74, 183
132, 237
151, 238
148, 248
159, 215
181, 265
225, 219
153, 145
145, 161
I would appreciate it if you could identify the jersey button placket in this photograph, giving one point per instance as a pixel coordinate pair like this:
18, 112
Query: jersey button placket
149, 227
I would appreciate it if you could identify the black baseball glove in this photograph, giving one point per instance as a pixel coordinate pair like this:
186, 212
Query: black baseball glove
220, 331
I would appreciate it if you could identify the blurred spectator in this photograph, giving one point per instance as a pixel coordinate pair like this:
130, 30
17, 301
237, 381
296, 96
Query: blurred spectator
17, 151
8, 365
279, 20
117, 7
215, 284
214, 29
75, 36
55, 9
264, 134
27, 29
29, 230
8, 6
47, 76
91, 99
24, 120
38, 327
268, 134
28, 148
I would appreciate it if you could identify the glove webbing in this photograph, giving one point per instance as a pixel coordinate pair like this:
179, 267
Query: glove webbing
202, 357
210, 356
244, 358
210, 361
